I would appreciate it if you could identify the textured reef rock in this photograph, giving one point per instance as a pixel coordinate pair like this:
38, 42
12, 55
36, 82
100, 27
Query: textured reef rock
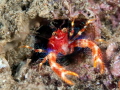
19, 20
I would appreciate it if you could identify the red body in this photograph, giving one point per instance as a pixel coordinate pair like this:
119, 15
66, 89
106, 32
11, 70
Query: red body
59, 42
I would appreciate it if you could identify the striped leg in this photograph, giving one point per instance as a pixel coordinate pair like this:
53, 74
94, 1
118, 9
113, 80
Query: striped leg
36, 50
43, 61
84, 28
72, 29
96, 52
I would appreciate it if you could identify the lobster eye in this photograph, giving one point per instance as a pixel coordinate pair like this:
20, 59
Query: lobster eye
64, 30
54, 34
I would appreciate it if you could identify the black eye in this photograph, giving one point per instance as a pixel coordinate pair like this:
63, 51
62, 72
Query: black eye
65, 30
54, 34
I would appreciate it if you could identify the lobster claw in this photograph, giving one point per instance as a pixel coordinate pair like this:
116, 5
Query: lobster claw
63, 77
59, 70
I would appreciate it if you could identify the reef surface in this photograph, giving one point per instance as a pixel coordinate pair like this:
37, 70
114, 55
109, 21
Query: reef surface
19, 21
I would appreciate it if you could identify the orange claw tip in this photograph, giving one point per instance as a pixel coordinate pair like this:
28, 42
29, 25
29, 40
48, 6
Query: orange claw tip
102, 71
102, 68
68, 73
72, 73
69, 82
99, 63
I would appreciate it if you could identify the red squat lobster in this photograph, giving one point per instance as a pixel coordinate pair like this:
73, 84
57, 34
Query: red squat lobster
60, 43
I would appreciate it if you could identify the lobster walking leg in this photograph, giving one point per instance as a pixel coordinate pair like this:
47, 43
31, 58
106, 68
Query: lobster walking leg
81, 30
36, 50
43, 61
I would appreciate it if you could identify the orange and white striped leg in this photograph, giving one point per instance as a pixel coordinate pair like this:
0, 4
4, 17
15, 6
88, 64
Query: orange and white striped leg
59, 70
84, 28
43, 61
36, 50
72, 29
96, 52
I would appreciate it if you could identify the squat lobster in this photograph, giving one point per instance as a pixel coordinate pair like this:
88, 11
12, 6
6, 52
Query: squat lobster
60, 43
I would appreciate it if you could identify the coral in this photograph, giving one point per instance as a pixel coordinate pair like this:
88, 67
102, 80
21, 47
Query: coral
115, 67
